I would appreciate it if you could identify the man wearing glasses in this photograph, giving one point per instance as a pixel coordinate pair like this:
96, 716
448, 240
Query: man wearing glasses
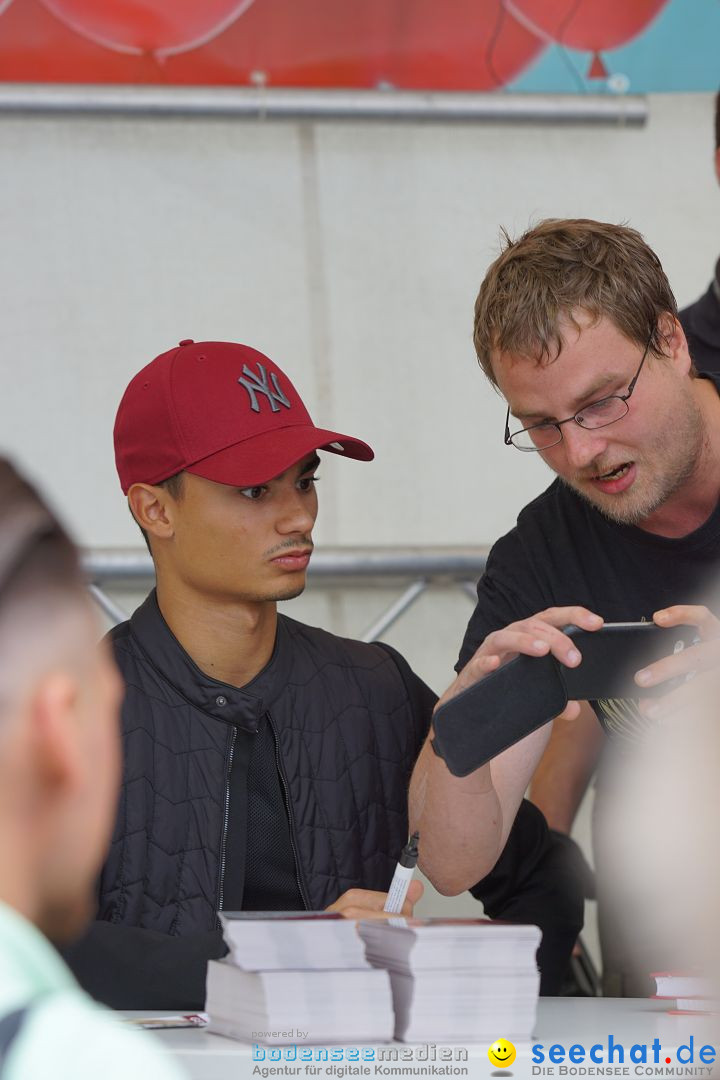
576, 325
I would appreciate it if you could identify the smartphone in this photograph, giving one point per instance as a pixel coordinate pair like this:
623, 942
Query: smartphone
525, 693
613, 654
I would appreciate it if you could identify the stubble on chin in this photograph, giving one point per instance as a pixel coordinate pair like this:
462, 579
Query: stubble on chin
275, 595
646, 496
629, 508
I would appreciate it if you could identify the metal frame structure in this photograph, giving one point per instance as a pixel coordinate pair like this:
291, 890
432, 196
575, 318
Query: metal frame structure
279, 103
417, 570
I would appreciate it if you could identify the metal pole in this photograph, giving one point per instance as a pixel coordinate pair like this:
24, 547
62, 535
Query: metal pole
280, 103
464, 564
470, 590
395, 610
108, 606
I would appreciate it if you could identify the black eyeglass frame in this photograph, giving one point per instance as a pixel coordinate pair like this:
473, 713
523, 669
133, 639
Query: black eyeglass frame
558, 423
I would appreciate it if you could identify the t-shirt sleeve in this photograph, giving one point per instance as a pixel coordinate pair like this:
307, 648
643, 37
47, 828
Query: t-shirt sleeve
507, 591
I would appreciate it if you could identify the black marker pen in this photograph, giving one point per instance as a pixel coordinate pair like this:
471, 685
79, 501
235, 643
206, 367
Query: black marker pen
402, 876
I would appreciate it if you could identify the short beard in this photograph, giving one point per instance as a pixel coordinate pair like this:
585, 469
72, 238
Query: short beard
693, 435
633, 515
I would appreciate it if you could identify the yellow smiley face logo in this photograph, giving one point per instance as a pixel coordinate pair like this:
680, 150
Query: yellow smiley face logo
501, 1053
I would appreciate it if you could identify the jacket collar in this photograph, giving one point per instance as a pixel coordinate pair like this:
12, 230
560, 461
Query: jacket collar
244, 707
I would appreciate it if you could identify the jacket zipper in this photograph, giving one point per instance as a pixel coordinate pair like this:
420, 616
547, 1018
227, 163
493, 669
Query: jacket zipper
291, 819
226, 819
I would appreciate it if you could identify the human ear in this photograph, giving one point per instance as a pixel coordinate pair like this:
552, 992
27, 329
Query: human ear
56, 739
675, 345
152, 508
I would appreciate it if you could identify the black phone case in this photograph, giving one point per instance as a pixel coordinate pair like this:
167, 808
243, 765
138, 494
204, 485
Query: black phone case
526, 693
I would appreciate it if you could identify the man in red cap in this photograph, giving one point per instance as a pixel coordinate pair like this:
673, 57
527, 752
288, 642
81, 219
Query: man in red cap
266, 763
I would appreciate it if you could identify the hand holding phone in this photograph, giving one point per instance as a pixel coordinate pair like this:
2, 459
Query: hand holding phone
675, 675
528, 691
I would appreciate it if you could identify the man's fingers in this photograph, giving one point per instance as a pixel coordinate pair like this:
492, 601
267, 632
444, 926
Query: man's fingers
536, 636
571, 616
415, 891
542, 633
358, 900
533, 637
702, 657
689, 615
358, 913
570, 712
369, 904
475, 670
686, 701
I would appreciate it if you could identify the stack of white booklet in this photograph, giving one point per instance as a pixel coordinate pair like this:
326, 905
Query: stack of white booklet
297, 977
692, 992
458, 980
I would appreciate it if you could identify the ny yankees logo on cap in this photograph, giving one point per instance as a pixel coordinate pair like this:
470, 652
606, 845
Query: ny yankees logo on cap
258, 384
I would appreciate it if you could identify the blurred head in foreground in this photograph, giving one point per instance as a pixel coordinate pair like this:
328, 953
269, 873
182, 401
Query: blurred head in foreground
59, 696
664, 826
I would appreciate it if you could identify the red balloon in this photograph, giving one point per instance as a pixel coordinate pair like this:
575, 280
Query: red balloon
160, 27
586, 24
456, 45
36, 47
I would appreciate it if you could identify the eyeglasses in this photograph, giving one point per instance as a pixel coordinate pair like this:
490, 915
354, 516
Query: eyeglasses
597, 414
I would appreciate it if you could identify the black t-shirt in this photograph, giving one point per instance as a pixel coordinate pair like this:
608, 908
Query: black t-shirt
563, 551
701, 323
261, 870
260, 864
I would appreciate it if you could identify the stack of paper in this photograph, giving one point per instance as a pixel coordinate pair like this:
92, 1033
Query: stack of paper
297, 978
306, 941
458, 980
690, 993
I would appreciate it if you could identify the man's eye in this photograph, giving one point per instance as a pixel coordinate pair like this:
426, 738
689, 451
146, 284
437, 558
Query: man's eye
600, 408
253, 492
307, 482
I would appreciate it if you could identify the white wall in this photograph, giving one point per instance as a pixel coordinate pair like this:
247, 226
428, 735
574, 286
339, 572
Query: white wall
352, 254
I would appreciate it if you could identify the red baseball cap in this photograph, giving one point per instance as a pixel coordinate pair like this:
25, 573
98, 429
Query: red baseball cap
219, 410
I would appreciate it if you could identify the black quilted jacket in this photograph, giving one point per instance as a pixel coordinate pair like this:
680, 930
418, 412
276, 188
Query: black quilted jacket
347, 733
349, 720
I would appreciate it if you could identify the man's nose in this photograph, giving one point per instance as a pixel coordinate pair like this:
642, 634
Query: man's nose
298, 514
582, 445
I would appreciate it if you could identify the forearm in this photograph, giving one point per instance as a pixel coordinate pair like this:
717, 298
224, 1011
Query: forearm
459, 820
566, 768
464, 822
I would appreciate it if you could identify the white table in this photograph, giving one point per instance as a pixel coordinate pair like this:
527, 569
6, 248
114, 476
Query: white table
566, 1021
